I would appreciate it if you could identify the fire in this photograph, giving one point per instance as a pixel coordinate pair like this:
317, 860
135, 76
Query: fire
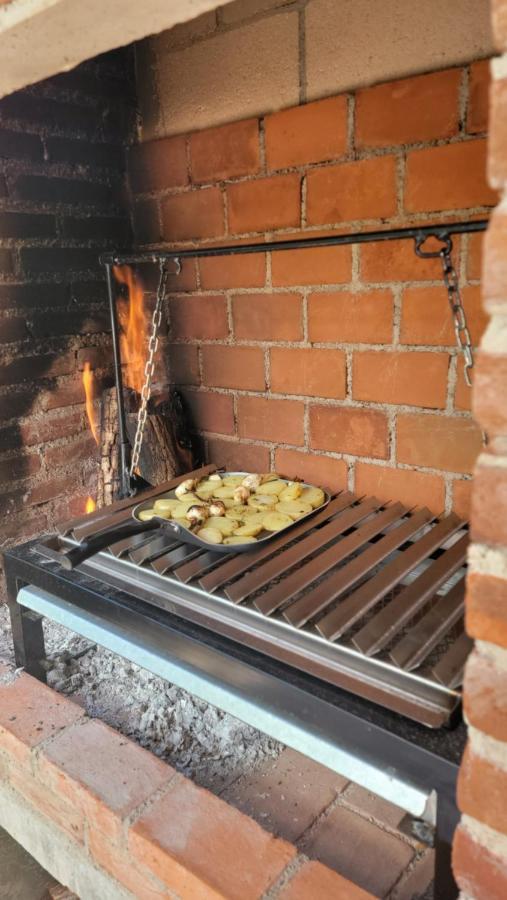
89, 392
90, 505
134, 328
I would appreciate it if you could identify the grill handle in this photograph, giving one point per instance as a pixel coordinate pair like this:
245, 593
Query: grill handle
72, 558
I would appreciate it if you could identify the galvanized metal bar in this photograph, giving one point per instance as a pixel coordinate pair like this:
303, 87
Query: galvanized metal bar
124, 443
416, 233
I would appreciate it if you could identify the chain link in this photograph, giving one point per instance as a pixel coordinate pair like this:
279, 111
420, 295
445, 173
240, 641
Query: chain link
149, 368
461, 331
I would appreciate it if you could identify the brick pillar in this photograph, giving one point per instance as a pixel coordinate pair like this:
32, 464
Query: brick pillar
480, 848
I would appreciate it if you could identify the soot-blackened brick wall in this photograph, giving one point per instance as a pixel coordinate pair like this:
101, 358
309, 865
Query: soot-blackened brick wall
62, 200
336, 364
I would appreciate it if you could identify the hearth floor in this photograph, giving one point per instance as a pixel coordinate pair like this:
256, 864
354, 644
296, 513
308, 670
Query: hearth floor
361, 836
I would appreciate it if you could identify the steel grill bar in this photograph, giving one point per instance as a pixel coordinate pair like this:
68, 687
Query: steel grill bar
243, 562
415, 647
313, 603
367, 595
120, 548
378, 633
319, 565
200, 564
164, 564
293, 555
162, 543
449, 670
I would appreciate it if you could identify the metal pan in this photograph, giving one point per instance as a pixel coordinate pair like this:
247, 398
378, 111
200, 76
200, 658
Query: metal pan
94, 544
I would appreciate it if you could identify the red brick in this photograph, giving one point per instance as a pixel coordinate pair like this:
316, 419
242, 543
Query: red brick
102, 773
198, 318
210, 412
478, 871
365, 189
485, 697
320, 470
489, 505
268, 317
426, 316
12, 329
225, 152
72, 452
155, 165
424, 108
271, 420
311, 372
486, 608
234, 858
119, 864
415, 379
264, 204
395, 261
478, 103
448, 177
184, 364
30, 713
318, 265
351, 317
19, 467
462, 392
51, 488
361, 432
234, 367
49, 803
475, 253
316, 880
30, 368
236, 457
226, 272
146, 221
497, 165
461, 497
481, 791
409, 487
499, 21
438, 442
489, 396
186, 280
494, 269
193, 214
306, 134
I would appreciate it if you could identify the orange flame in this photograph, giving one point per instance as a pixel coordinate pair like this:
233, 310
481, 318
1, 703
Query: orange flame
88, 388
90, 505
134, 328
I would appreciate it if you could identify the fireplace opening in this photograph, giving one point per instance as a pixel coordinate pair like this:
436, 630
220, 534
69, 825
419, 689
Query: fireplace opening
222, 250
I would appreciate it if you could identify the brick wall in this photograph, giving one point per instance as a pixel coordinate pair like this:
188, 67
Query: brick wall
251, 57
61, 202
480, 849
106, 817
335, 364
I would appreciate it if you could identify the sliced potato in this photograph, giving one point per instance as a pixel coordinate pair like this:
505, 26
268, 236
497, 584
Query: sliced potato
312, 495
293, 508
225, 526
275, 521
225, 491
229, 502
233, 480
211, 535
184, 523
235, 539
249, 529
262, 502
236, 513
146, 514
292, 491
270, 476
272, 487
165, 505
180, 511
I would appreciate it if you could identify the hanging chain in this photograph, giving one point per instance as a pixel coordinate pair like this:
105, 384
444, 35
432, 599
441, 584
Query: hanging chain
149, 368
463, 339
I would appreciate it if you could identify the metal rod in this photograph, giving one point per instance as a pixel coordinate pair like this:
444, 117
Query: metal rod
125, 449
334, 240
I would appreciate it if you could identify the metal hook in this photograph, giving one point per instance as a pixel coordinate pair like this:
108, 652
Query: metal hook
444, 237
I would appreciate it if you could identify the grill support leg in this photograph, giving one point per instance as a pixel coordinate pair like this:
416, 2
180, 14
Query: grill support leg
445, 885
27, 634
